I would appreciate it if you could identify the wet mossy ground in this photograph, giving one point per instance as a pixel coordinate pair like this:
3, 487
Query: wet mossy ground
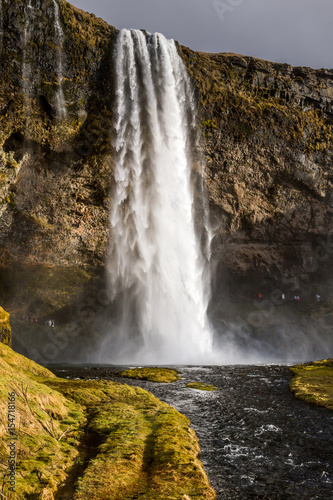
201, 387
166, 375
121, 441
313, 382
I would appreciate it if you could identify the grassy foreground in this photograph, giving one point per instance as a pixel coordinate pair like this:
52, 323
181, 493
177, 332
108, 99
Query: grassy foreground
143, 447
166, 375
313, 382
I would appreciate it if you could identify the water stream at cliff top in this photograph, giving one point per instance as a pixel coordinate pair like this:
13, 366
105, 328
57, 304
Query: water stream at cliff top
60, 99
1, 26
26, 66
156, 267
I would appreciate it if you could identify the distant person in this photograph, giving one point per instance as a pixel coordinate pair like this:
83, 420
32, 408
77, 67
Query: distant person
318, 298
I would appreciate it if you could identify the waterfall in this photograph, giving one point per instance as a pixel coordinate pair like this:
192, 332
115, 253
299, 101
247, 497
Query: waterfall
1, 26
156, 267
26, 67
60, 98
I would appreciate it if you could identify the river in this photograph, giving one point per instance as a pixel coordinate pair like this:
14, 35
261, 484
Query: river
257, 440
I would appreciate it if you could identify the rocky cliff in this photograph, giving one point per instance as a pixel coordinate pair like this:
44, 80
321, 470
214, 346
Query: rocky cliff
268, 148
267, 135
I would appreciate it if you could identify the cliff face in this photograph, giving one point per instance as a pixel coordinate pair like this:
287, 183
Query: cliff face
54, 187
268, 146
54, 173
267, 143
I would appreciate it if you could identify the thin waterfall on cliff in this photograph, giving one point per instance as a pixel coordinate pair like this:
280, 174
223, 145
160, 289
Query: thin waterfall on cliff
60, 99
26, 67
156, 267
1, 26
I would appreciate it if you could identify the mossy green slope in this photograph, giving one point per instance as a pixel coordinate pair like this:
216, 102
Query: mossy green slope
147, 448
47, 426
313, 382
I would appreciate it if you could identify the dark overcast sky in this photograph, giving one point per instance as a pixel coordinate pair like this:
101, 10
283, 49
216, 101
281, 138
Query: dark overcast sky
298, 32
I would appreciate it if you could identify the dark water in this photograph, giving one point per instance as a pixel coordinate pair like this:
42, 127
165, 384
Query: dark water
257, 440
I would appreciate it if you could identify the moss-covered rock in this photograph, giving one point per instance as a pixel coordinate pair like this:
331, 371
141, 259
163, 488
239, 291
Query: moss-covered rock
5, 328
166, 375
313, 382
201, 386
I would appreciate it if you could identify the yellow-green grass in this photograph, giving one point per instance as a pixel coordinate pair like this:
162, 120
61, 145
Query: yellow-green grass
166, 375
313, 382
146, 448
201, 387
5, 329
47, 426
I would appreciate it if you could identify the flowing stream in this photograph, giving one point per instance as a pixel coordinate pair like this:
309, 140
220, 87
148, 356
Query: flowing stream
156, 267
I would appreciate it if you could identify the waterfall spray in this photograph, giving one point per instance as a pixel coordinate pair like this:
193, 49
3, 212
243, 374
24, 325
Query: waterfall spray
60, 98
156, 267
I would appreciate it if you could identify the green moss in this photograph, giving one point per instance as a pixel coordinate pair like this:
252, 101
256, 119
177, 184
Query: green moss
145, 447
229, 93
148, 448
47, 436
209, 124
166, 375
201, 387
5, 329
313, 382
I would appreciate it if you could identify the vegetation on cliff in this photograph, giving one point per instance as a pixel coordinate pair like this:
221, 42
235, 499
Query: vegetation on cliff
141, 446
313, 382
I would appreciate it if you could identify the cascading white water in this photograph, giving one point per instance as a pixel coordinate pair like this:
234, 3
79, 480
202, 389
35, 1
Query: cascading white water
155, 265
60, 98
26, 67
1, 25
